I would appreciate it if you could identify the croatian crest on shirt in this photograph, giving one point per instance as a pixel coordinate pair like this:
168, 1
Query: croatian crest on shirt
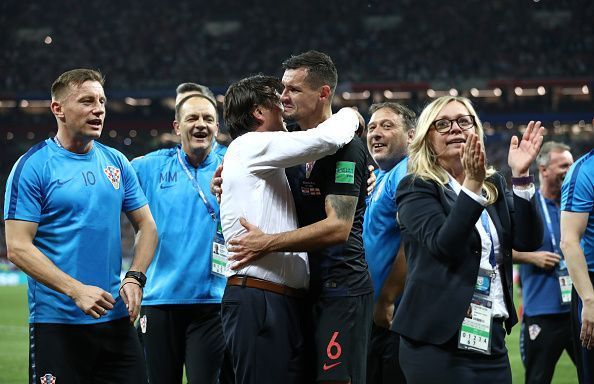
533, 331
113, 175
48, 378
143, 324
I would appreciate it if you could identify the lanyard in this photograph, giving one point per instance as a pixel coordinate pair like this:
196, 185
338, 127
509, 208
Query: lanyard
211, 211
549, 223
485, 223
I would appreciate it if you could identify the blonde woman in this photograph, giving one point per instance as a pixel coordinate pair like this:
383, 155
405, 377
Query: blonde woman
459, 224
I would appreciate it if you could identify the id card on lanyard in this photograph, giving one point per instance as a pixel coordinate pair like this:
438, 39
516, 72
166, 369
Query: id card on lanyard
565, 283
219, 262
475, 332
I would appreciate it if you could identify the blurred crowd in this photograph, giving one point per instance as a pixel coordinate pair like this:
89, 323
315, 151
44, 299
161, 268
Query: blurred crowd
159, 44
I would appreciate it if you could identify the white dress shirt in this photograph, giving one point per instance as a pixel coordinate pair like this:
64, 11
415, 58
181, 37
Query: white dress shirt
499, 309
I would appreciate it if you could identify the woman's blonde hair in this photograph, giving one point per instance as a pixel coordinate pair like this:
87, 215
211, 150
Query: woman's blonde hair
422, 158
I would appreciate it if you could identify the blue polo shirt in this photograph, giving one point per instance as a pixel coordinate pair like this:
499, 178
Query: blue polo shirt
577, 195
76, 200
381, 233
540, 287
181, 269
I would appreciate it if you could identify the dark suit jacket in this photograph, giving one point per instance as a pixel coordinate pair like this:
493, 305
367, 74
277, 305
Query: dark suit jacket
443, 252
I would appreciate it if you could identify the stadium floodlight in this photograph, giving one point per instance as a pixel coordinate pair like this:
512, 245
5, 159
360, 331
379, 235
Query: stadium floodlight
397, 95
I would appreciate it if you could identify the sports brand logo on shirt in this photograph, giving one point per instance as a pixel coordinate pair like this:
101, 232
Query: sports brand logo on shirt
345, 172
113, 175
48, 378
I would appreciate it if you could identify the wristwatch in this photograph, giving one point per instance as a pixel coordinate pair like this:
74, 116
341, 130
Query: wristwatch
138, 276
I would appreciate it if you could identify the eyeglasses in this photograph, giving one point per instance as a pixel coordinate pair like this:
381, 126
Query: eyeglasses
443, 126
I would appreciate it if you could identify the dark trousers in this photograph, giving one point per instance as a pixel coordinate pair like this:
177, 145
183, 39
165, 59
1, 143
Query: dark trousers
174, 335
424, 363
543, 339
584, 359
383, 366
104, 353
264, 331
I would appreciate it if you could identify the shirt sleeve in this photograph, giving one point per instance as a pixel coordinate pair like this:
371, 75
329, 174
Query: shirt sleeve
525, 194
138, 165
478, 198
23, 195
350, 171
134, 197
577, 193
273, 150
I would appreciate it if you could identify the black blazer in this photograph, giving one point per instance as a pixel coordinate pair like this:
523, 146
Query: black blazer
443, 252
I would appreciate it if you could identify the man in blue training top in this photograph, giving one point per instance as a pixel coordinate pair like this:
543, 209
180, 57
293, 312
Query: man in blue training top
546, 290
390, 128
180, 317
222, 138
62, 210
577, 225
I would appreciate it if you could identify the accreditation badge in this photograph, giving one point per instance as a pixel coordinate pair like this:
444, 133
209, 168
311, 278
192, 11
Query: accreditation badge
220, 264
565, 283
475, 332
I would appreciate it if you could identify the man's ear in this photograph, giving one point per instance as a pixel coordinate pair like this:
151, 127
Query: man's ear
410, 136
258, 114
325, 92
176, 128
57, 110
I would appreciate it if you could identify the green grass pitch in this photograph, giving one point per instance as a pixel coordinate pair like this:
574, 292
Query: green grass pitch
14, 346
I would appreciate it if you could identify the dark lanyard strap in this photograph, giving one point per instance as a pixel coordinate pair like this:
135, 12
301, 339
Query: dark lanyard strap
211, 211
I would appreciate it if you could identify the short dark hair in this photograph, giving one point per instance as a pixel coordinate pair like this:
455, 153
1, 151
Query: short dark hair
199, 88
74, 77
320, 68
409, 118
243, 96
181, 103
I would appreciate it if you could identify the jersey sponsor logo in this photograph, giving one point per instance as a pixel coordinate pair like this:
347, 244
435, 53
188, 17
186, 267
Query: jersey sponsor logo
143, 324
62, 182
113, 175
333, 351
533, 331
345, 172
48, 378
